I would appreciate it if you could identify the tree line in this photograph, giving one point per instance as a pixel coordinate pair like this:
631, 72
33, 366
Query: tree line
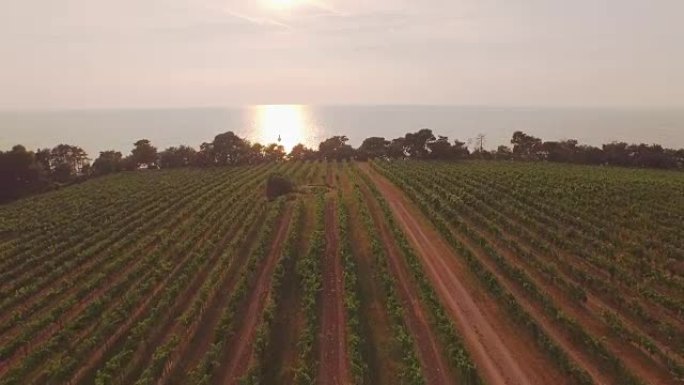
24, 172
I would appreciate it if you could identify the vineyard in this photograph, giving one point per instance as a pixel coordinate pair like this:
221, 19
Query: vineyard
401, 272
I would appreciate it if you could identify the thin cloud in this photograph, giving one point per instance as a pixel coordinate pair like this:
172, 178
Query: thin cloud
326, 7
256, 20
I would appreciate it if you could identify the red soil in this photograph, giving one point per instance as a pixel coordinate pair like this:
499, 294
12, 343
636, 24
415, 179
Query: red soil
329, 178
434, 366
77, 308
44, 335
589, 316
382, 358
100, 354
200, 337
333, 357
97, 356
291, 319
240, 352
501, 357
171, 324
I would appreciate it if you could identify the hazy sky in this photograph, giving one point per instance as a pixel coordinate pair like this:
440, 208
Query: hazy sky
144, 53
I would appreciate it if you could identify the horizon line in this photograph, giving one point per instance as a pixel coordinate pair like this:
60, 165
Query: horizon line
346, 105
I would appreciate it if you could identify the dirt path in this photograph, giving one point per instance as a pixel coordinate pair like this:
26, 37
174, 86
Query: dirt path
240, 351
333, 358
494, 357
329, 176
434, 366
199, 340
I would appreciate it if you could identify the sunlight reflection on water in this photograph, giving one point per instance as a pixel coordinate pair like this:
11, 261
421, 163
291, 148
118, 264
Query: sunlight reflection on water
284, 124
100, 130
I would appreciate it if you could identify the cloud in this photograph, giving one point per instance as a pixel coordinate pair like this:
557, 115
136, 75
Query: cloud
256, 20
326, 7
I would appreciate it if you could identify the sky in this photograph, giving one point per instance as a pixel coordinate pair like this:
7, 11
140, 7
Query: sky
189, 53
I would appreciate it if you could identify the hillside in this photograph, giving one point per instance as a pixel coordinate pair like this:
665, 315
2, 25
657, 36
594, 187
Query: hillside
401, 272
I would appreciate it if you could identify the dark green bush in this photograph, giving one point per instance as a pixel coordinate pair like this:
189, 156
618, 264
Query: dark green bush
278, 185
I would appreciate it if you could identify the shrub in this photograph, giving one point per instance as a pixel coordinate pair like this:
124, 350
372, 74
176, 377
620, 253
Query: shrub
278, 185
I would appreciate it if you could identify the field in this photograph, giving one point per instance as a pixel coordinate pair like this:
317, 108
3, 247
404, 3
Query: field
371, 273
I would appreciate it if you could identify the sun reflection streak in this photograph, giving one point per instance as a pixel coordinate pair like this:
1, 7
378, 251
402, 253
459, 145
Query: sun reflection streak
284, 124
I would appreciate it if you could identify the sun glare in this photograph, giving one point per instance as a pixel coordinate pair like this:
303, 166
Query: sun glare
283, 124
282, 4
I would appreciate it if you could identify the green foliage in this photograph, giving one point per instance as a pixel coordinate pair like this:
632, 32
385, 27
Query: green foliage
277, 185
411, 369
447, 197
159, 270
310, 281
265, 331
352, 302
227, 322
453, 344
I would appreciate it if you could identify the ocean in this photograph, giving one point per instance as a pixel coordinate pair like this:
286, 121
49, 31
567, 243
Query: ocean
99, 130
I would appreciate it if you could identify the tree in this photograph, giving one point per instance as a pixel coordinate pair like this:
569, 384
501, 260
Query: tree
677, 156
503, 153
440, 148
274, 152
174, 157
617, 153
206, 157
108, 162
256, 153
43, 159
230, 149
20, 174
129, 164
335, 148
526, 147
589, 155
416, 143
460, 150
563, 151
66, 162
63, 173
301, 152
397, 148
652, 156
144, 154
374, 147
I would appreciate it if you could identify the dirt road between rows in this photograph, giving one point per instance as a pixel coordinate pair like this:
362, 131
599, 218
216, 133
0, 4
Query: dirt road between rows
430, 354
333, 358
495, 360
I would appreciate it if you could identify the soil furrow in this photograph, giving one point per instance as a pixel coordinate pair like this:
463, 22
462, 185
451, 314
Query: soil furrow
430, 354
492, 349
333, 358
240, 353
200, 341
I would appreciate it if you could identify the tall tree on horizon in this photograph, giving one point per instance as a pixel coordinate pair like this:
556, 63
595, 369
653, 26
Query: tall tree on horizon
144, 154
